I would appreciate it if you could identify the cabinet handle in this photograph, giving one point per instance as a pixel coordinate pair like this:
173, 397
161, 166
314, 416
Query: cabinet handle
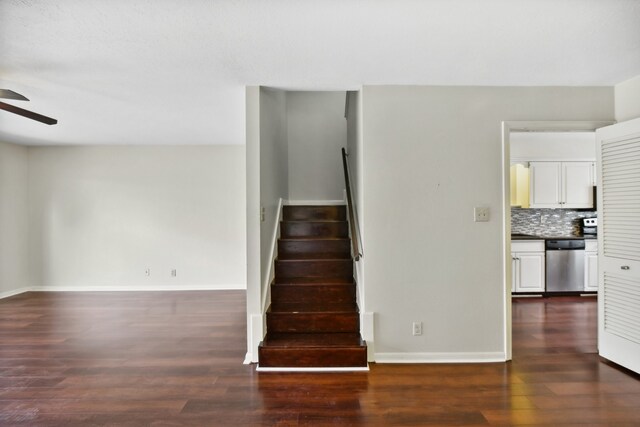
625, 267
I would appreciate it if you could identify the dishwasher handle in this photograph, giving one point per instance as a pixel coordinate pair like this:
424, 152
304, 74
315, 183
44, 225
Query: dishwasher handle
564, 244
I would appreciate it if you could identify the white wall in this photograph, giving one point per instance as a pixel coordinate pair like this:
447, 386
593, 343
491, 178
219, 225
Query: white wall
255, 322
274, 176
628, 99
354, 147
14, 253
99, 216
355, 150
267, 185
316, 131
553, 146
430, 155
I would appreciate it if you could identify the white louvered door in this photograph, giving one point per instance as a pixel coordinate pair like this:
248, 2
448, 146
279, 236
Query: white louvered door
619, 243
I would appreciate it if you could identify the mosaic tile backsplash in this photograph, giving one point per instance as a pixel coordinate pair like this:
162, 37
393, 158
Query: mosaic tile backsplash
548, 222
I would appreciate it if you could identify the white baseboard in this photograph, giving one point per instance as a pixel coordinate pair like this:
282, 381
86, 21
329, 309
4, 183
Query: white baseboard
248, 359
13, 292
125, 288
313, 202
479, 357
336, 369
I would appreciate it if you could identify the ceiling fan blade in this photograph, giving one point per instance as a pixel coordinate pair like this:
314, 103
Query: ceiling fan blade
28, 114
9, 94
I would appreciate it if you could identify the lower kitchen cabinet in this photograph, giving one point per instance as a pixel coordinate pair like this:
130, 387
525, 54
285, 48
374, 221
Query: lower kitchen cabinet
591, 266
528, 266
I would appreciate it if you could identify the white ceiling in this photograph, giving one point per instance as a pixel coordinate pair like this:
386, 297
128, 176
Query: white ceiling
174, 71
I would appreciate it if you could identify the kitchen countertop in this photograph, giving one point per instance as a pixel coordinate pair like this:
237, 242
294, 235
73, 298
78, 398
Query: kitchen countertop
532, 237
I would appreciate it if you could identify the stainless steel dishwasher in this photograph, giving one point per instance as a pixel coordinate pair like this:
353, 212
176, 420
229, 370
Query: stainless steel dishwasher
565, 265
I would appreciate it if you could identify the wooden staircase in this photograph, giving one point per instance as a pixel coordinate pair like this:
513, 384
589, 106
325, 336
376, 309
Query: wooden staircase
313, 320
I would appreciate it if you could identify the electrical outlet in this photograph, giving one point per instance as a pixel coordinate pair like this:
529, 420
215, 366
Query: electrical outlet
480, 214
417, 328
147, 271
174, 273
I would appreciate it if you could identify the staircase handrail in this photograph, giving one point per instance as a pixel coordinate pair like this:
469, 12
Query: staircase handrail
356, 240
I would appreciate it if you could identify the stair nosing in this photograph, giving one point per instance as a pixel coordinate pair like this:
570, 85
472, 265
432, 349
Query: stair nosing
313, 259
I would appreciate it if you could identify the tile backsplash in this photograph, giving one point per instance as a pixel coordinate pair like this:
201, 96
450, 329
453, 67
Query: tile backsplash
549, 222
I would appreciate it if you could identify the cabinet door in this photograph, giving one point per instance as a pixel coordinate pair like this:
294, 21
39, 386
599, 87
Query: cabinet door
531, 272
514, 272
544, 184
591, 271
577, 185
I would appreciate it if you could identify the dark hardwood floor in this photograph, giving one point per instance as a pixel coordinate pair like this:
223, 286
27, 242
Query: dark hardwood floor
175, 358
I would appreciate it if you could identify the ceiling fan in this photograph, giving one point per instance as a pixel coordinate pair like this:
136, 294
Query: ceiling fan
9, 94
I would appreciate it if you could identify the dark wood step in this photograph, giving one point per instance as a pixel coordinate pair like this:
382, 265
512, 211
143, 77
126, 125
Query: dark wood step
313, 350
310, 229
313, 340
313, 280
314, 213
312, 292
313, 307
313, 268
312, 322
314, 248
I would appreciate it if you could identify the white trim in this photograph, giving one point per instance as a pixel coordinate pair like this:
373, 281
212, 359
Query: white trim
548, 159
507, 275
509, 126
328, 369
476, 357
13, 292
314, 202
257, 332
265, 296
137, 288
556, 125
248, 359
367, 325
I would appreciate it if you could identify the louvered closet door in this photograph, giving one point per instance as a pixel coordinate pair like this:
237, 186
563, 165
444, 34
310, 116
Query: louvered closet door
619, 243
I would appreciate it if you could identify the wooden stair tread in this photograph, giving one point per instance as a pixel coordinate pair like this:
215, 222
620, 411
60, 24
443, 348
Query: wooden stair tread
314, 212
311, 238
315, 239
308, 308
313, 340
311, 281
315, 221
313, 257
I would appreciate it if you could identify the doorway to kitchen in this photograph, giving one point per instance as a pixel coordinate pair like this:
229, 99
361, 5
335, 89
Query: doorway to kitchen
544, 207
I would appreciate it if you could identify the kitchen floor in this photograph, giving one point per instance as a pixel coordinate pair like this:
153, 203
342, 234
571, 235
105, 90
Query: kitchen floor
554, 325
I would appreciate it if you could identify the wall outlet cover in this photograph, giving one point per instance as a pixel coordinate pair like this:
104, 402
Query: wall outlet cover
416, 328
481, 214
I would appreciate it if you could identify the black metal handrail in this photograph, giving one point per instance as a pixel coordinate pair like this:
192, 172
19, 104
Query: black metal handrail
355, 231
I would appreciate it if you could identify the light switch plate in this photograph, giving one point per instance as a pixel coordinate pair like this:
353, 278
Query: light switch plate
481, 214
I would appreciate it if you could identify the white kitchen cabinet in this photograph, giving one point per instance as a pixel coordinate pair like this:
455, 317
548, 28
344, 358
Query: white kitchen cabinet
528, 266
566, 185
591, 266
519, 185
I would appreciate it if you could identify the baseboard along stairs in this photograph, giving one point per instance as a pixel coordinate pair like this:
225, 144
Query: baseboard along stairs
313, 321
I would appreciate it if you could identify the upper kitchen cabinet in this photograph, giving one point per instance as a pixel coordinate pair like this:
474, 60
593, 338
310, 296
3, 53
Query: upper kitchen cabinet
567, 185
519, 185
